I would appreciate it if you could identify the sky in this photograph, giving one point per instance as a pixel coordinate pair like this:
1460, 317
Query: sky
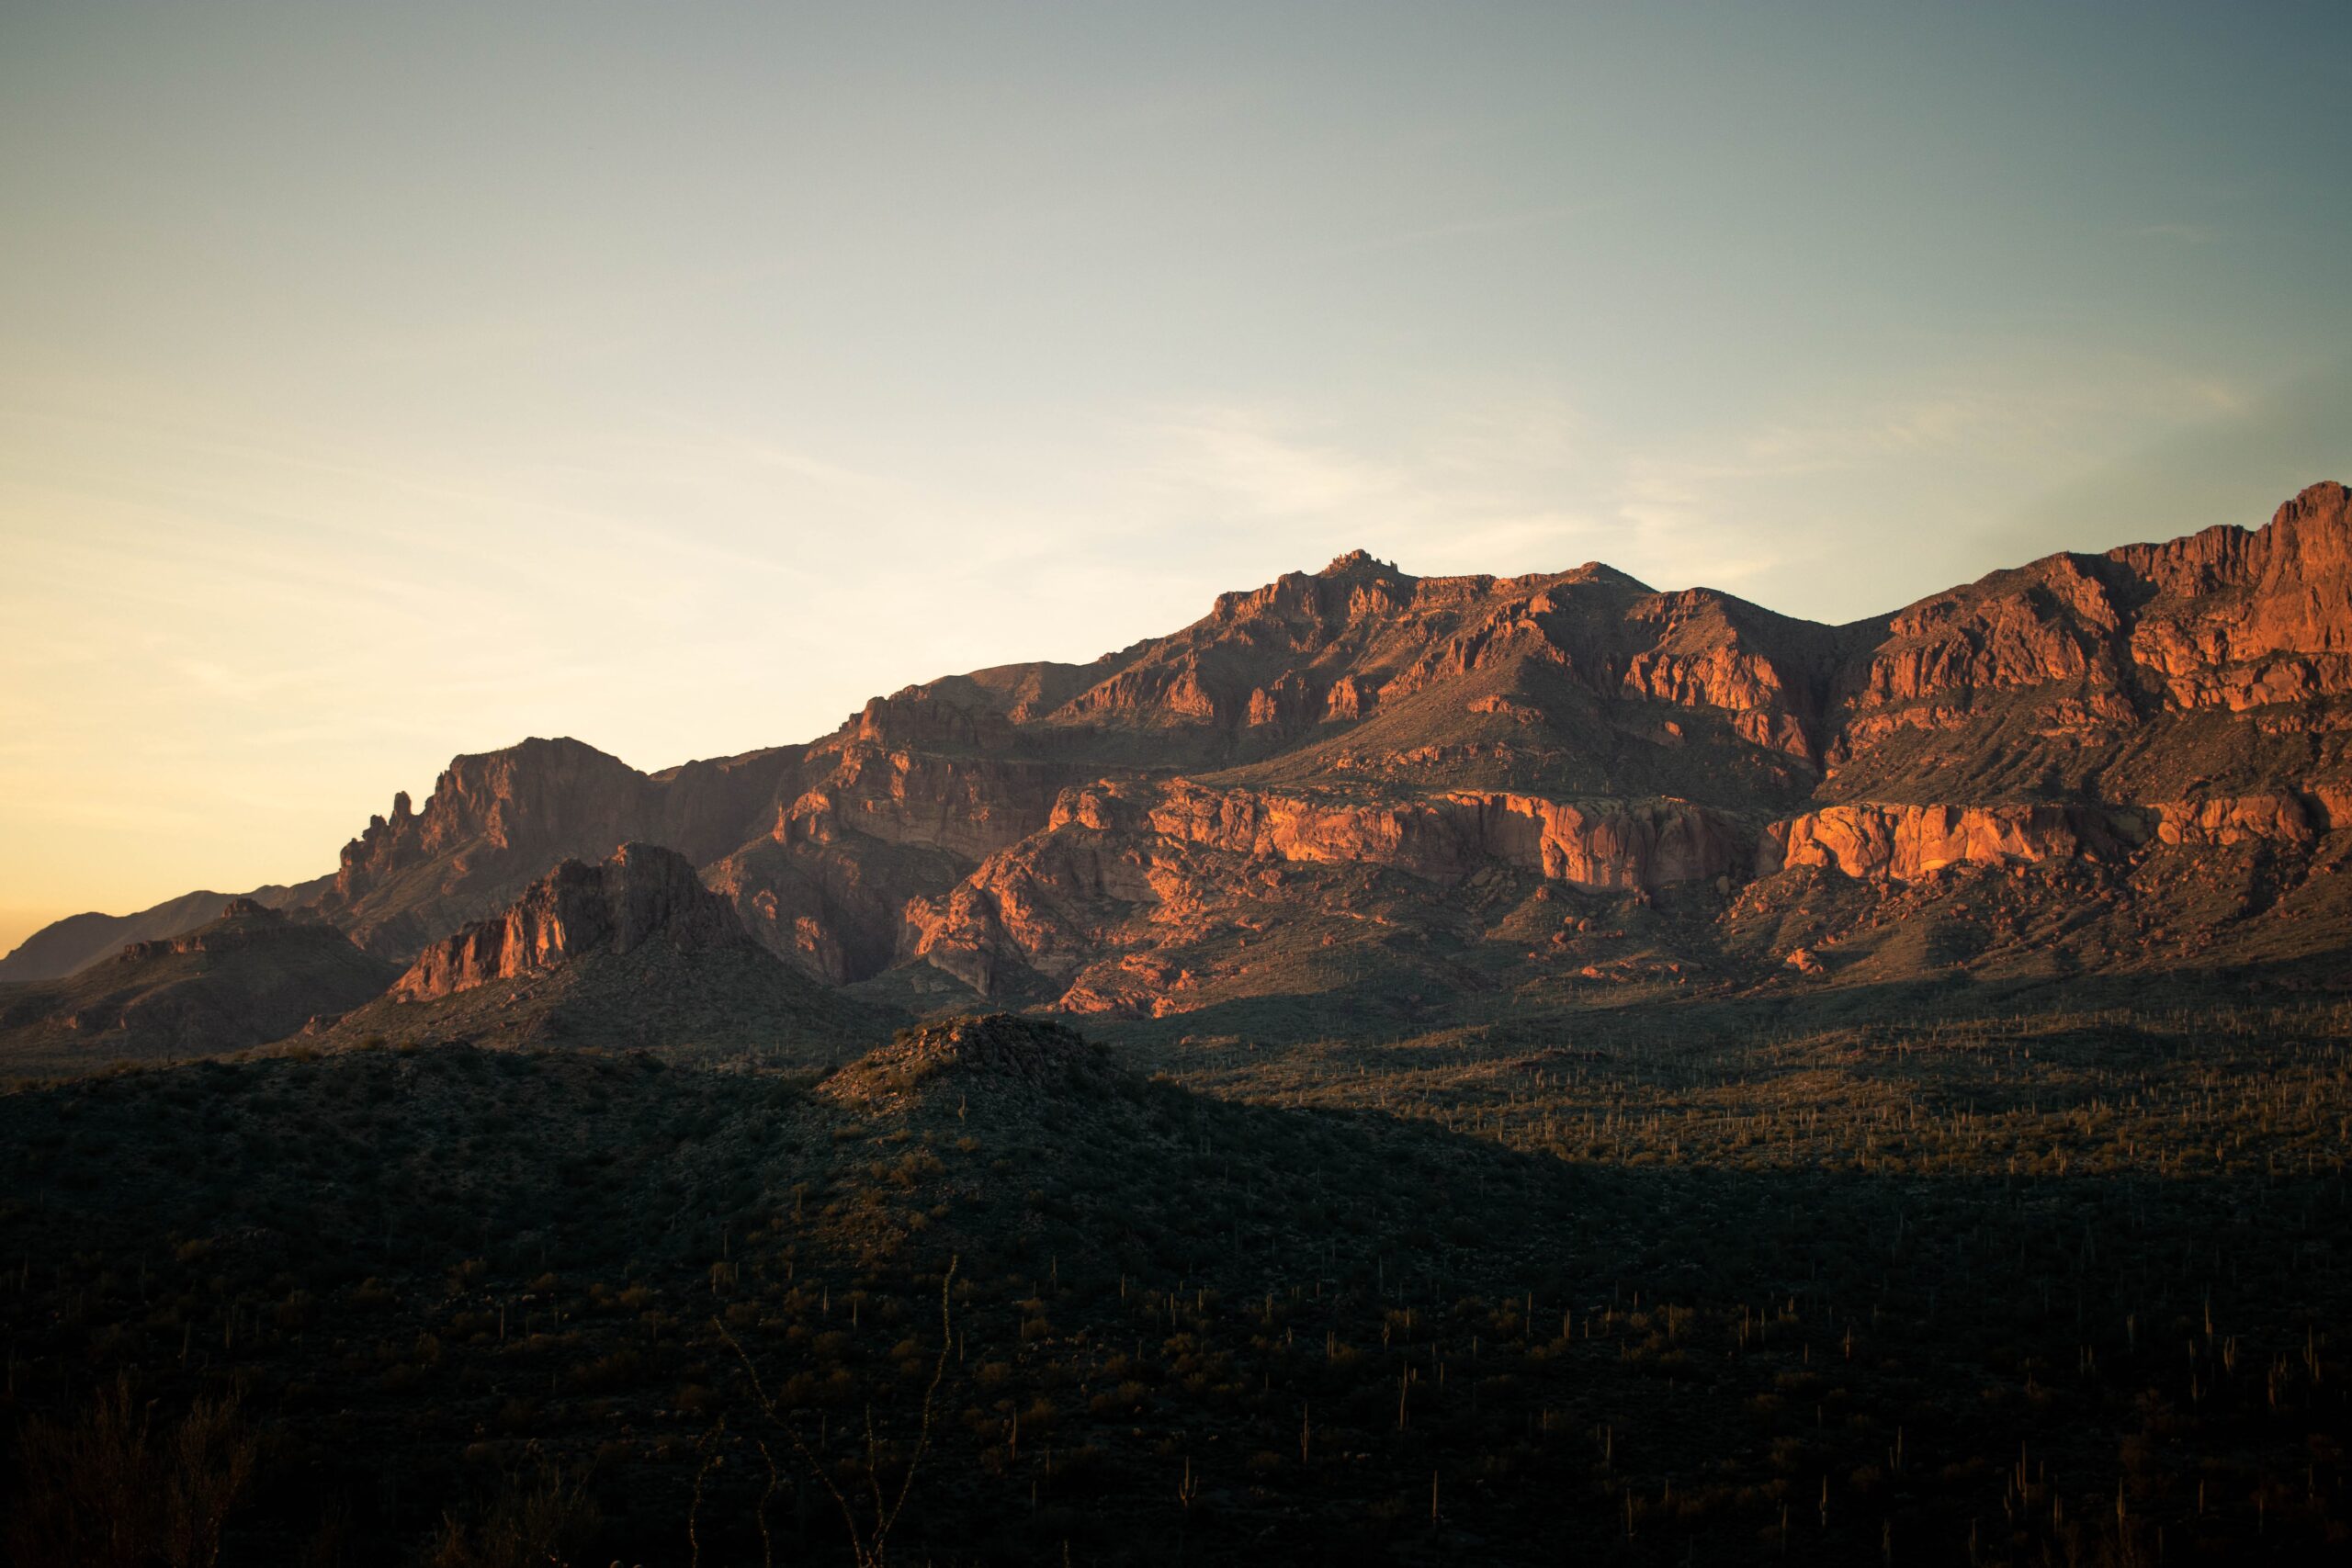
383, 383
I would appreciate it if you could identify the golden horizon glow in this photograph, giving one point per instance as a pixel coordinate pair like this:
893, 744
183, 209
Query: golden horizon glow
382, 384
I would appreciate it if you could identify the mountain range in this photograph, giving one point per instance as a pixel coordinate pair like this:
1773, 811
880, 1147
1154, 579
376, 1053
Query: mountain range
1356, 797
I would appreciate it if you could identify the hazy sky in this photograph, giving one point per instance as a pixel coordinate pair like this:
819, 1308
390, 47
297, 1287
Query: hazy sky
381, 382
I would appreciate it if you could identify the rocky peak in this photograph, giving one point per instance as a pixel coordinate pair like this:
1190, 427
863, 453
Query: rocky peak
536, 789
929, 715
494, 820
649, 891
643, 894
2309, 537
1602, 573
1575, 727
1360, 563
2323, 510
1355, 584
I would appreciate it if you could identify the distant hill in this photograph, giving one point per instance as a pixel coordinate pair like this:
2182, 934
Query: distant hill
251, 975
63, 946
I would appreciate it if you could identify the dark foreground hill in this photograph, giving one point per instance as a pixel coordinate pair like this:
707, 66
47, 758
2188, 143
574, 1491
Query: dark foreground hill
2063, 1291
251, 975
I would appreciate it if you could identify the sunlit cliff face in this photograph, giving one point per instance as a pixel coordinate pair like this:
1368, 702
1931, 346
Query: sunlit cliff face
1523, 765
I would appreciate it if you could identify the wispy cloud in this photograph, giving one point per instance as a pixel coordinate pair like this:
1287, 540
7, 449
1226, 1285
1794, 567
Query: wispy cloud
1260, 469
1528, 480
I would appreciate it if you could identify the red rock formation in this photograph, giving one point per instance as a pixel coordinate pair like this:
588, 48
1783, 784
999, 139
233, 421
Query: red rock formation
643, 894
2065, 666
1361, 733
1620, 847
499, 820
539, 792
1348, 698
2241, 620
1050, 904
969, 806
2290, 818
1904, 842
1125, 869
821, 847
881, 820
1450, 836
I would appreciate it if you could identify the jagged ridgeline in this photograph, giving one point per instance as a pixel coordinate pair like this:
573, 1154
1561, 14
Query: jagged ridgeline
1360, 801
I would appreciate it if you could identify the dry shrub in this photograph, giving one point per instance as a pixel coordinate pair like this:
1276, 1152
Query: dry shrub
531, 1522
109, 1490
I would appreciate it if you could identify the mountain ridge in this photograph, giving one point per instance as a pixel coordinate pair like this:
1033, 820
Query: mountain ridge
63, 947
250, 976
1359, 765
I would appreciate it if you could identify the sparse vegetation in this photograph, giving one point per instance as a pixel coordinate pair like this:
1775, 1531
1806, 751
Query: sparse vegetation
2057, 1287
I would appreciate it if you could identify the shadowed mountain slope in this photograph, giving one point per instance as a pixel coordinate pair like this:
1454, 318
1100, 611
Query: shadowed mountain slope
496, 822
64, 946
631, 953
251, 975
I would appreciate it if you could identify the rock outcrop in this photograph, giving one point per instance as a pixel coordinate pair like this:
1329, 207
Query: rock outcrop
2146, 674
1446, 837
1138, 867
498, 821
1905, 842
643, 894
633, 953
2291, 818
2239, 620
